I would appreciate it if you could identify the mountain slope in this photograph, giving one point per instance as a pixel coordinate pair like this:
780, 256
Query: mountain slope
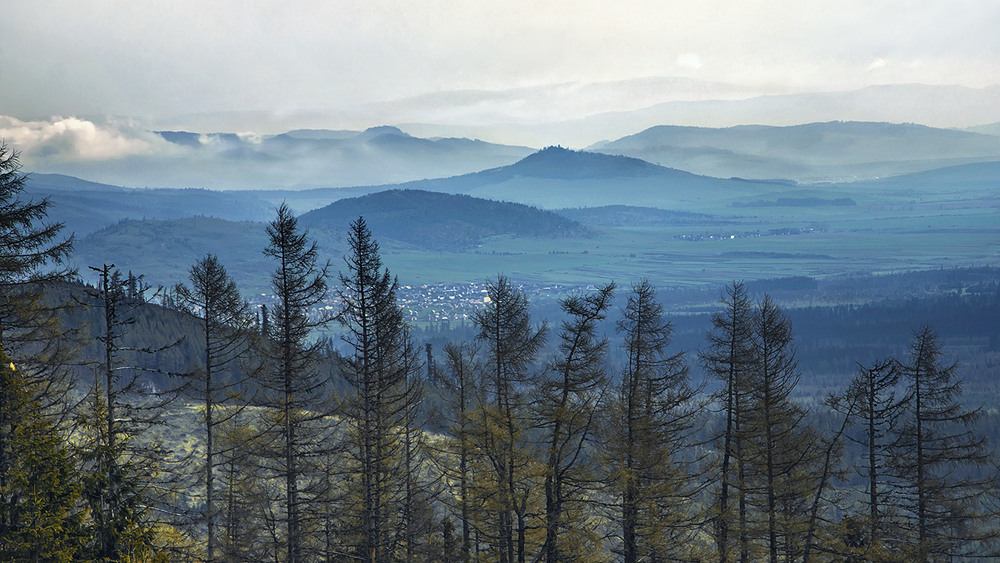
965, 179
557, 178
810, 152
163, 250
439, 221
85, 207
318, 158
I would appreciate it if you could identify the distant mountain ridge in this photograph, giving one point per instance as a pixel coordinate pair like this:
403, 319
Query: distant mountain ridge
85, 207
809, 152
316, 158
439, 221
556, 177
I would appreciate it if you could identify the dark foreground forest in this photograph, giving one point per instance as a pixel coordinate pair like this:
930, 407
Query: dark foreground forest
524, 442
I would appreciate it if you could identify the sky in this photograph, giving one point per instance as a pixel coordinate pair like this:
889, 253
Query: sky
104, 70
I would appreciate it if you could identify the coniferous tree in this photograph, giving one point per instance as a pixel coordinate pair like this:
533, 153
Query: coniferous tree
116, 484
32, 257
945, 469
418, 518
126, 476
225, 323
821, 532
432, 375
248, 524
40, 492
783, 463
652, 420
568, 398
730, 359
32, 254
510, 346
459, 380
382, 369
294, 389
872, 403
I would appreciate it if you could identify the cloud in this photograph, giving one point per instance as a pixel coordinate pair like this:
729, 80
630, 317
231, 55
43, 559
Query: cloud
72, 138
877, 64
689, 60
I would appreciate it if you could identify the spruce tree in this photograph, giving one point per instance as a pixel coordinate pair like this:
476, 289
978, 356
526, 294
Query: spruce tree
459, 381
566, 408
730, 359
116, 487
32, 252
871, 401
40, 516
225, 323
510, 346
383, 369
32, 259
125, 473
652, 420
945, 468
248, 524
293, 388
783, 463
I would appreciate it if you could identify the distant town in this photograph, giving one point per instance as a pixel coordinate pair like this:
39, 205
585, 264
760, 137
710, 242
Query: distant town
438, 304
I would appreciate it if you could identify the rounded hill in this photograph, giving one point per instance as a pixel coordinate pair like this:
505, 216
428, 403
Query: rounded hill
565, 164
440, 221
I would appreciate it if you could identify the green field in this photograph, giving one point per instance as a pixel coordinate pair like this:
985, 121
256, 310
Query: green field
890, 228
845, 240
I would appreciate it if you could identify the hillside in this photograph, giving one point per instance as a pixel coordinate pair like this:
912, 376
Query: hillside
832, 151
164, 250
439, 221
560, 178
964, 178
85, 207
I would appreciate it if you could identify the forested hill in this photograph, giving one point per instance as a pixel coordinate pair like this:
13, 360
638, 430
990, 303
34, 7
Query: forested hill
565, 164
440, 221
555, 163
85, 207
556, 177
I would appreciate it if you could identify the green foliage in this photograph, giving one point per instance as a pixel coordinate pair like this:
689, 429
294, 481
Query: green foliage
118, 527
33, 257
27, 246
40, 517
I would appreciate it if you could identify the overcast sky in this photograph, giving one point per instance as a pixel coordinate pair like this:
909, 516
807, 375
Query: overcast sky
155, 59
86, 82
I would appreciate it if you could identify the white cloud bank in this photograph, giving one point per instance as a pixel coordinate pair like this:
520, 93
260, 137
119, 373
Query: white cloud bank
73, 138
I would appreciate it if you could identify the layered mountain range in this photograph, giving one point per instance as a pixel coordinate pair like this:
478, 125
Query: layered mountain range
607, 187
